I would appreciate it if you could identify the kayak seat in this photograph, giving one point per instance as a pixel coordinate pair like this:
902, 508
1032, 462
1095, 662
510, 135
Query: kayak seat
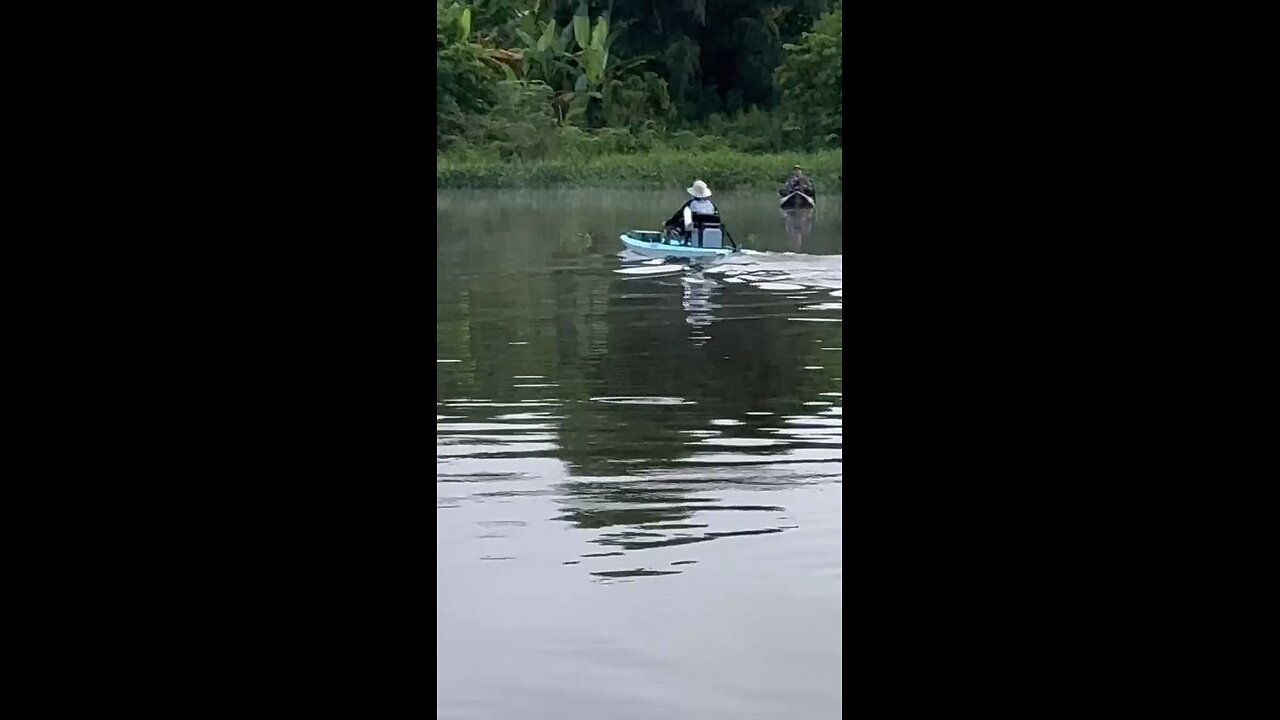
707, 231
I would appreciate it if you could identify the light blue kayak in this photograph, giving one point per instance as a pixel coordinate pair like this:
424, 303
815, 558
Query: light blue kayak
657, 245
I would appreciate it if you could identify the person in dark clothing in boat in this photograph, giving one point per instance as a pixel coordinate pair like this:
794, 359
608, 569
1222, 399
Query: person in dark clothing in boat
798, 182
697, 204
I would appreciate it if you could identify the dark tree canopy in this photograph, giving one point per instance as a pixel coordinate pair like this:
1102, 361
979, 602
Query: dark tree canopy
638, 66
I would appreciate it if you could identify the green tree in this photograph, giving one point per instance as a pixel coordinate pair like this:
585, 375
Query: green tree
522, 122
592, 86
752, 75
810, 79
716, 55
464, 84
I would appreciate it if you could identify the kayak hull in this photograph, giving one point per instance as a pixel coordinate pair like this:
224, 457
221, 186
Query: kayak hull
796, 201
650, 243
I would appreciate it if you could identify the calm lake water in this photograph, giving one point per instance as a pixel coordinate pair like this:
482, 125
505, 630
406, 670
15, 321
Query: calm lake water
638, 464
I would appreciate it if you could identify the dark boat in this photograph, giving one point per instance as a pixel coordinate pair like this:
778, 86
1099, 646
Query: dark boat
796, 201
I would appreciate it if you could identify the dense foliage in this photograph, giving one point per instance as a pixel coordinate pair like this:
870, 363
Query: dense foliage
722, 170
811, 80
542, 80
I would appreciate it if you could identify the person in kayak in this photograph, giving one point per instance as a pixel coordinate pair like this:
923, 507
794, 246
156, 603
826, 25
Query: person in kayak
697, 204
798, 182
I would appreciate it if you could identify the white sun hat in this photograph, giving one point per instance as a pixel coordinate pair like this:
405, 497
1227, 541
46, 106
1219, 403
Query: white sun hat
699, 189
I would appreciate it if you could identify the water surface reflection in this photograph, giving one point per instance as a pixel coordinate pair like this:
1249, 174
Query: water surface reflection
605, 421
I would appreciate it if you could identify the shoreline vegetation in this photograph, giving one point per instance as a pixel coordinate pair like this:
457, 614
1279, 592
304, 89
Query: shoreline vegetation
661, 169
592, 93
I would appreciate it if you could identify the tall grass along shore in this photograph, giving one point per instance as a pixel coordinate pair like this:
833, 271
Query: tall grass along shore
721, 169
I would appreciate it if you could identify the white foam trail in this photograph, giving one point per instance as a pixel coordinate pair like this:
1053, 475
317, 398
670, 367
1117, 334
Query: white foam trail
784, 272
643, 400
649, 269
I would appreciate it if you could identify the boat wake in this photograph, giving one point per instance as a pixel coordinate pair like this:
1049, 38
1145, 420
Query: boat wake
782, 271
795, 286
785, 272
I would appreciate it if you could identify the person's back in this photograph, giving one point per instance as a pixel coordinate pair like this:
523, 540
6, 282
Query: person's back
699, 204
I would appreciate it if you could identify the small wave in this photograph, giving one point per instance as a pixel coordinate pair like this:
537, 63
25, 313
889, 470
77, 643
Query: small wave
741, 442
783, 272
649, 269
642, 400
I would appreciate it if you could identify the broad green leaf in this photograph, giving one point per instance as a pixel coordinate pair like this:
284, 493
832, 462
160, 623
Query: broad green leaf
548, 36
581, 84
596, 95
594, 64
465, 24
582, 26
506, 69
600, 33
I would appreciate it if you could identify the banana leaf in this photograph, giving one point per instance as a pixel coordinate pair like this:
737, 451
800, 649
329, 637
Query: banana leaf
465, 25
548, 36
582, 26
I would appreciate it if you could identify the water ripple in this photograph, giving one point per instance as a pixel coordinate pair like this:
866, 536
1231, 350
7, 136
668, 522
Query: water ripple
644, 460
